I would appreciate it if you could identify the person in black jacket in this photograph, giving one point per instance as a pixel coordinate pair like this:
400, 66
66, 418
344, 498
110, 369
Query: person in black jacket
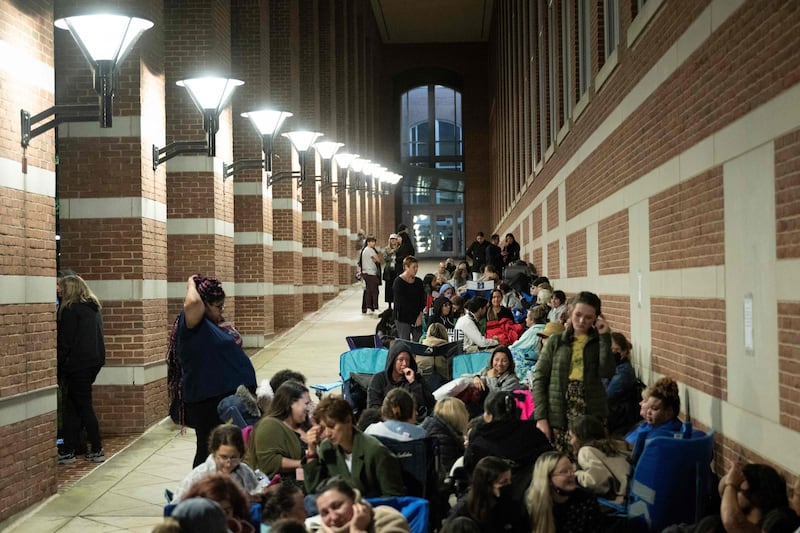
447, 427
477, 252
504, 435
81, 354
494, 254
404, 249
409, 301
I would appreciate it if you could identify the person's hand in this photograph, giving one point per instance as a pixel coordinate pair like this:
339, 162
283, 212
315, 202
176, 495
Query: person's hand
544, 426
409, 374
314, 438
478, 383
602, 325
361, 518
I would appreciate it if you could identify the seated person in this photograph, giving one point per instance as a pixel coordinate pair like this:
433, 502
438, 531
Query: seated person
499, 373
663, 407
468, 326
337, 448
602, 463
458, 306
490, 274
367, 417
447, 426
487, 503
195, 514
446, 291
430, 364
496, 309
401, 372
278, 439
226, 449
442, 313
748, 494
342, 509
504, 435
558, 305
623, 396
222, 489
631, 437
282, 500
399, 416
526, 349
510, 298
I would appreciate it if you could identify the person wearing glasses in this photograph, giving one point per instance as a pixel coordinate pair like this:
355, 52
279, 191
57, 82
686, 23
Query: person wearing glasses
225, 452
205, 361
554, 500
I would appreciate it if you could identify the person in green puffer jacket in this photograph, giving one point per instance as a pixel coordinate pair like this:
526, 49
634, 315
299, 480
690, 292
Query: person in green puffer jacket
567, 381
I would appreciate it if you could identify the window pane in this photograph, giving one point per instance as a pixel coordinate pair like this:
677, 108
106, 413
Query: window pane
422, 233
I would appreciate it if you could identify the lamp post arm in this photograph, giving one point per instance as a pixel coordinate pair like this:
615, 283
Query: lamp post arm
164, 154
59, 114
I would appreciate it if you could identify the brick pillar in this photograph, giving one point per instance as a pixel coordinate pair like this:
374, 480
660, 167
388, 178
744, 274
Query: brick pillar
343, 36
113, 220
200, 204
328, 60
284, 28
27, 264
255, 318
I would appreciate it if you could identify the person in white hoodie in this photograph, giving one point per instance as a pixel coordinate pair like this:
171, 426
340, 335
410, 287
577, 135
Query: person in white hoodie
467, 326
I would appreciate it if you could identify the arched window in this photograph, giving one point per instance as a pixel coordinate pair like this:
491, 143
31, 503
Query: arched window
436, 109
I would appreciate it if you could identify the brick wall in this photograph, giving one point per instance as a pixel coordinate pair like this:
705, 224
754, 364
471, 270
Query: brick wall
553, 261
789, 363
576, 254
787, 195
613, 247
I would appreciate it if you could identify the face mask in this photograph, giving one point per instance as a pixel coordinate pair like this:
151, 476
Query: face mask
505, 492
617, 357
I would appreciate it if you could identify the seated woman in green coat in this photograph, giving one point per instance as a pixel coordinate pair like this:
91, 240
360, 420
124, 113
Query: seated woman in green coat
337, 448
277, 442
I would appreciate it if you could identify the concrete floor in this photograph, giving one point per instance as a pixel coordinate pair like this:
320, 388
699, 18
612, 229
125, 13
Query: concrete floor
126, 493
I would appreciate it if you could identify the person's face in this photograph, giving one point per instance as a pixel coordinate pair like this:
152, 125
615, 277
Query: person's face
447, 308
371, 244
495, 240
497, 299
402, 362
573, 441
509, 239
555, 302
503, 480
615, 347
643, 407
479, 238
413, 268
529, 322
563, 476
500, 363
335, 509
299, 412
58, 287
298, 510
657, 412
227, 458
337, 432
214, 311
583, 318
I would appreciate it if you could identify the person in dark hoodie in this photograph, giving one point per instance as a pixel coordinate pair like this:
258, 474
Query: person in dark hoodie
401, 371
404, 249
504, 435
81, 354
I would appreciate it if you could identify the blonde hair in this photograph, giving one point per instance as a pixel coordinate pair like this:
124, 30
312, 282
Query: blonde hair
437, 330
544, 297
454, 412
539, 498
75, 290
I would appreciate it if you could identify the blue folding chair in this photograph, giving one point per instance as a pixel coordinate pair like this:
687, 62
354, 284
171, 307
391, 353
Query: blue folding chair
415, 510
356, 368
469, 363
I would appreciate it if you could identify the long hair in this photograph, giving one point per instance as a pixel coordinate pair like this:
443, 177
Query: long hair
453, 411
502, 406
221, 487
278, 501
590, 431
481, 498
288, 393
504, 350
538, 498
75, 290
398, 405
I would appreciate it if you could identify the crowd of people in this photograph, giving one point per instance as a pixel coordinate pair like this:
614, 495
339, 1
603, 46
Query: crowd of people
556, 421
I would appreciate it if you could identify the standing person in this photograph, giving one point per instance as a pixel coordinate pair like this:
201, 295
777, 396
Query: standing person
477, 252
510, 251
81, 354
404, 249
494, 255
409, 301
567, 380
389, 256
369, 261
205, 361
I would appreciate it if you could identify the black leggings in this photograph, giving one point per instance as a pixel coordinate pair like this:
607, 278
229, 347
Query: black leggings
203, 417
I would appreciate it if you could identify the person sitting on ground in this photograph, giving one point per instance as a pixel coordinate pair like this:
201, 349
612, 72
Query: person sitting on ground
342, 509
222, 489
633, 435
446, 290
554, 500
278, 438
367, 417
226, 449
399, 414
337, 448
499, 373
558, 304
526, 350
458, 306
543, 298
490, 274
287, 525
602, 464
401, 372
623, 396
196, 514
504, 435
488, 502
282, 500
510, 298
468, 326
663, 407
447, 427
442, 313
496, 310
434, 364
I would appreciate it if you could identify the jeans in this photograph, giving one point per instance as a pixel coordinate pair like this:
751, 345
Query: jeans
79, 411
406, 331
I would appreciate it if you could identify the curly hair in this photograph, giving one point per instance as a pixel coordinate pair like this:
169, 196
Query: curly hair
666, 390
209, 289
334, 408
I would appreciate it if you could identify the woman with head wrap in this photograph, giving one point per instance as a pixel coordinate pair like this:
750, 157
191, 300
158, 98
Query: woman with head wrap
205, 360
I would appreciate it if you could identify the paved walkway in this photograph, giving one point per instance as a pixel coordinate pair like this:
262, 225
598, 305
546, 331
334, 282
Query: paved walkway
126, 493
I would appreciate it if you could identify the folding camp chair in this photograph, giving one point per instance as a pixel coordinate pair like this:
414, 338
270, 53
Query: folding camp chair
415, 510
469, 363
356, 368
363, 341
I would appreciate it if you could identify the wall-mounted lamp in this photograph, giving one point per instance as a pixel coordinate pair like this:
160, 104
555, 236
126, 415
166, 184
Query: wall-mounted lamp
105, 41
326, 150
301, 141
267, 122
210, 95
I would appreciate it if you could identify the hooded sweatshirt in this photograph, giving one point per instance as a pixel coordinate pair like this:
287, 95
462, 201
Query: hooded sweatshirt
80, 338
382, 383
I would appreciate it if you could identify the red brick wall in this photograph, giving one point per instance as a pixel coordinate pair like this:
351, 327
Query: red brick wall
689, 342
687, 224
553, 261
789, 363
576, 254
617, 312
537, 221
613, 244
552, 210
787, 195
538, 257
